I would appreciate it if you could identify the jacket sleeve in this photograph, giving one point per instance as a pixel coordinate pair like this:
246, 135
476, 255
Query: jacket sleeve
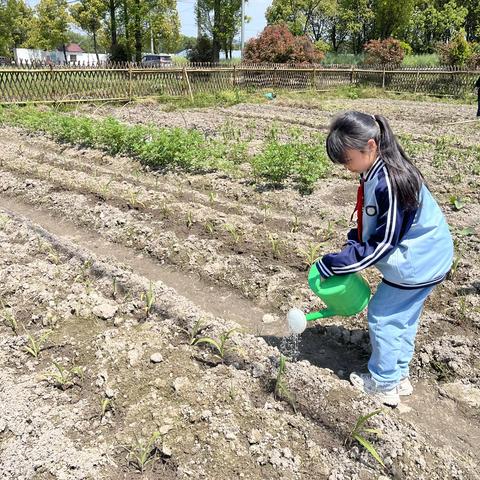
356, 255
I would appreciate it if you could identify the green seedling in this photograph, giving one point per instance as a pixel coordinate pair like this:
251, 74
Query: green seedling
106, 405
219, 345
310, 253
4, 220
105, 189
114, 287
281, 390
274, 245
233, 231
141, 453
189, 219
35, 345
265, 209
357, 434
165, 210
209, 228
464, 232
65, 378
294, 225
212, 196
52, 254
456, 203
444, 372
196, 329
148, 298
10, 320
133, 200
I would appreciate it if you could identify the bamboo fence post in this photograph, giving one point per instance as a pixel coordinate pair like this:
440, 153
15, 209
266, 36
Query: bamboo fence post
352, 74
234, 76
314, 78
130, 86
274, 77
383, 78
416, 80
187, 80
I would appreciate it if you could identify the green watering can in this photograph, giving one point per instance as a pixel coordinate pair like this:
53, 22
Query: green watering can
344, 295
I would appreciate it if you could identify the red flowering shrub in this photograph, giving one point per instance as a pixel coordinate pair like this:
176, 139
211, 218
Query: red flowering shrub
384, 52
276, 44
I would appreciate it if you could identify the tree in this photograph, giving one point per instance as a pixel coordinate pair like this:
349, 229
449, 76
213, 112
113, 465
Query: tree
304, 17
88, 15
220, 20
391, 16
49, 26
15, 17
456, 52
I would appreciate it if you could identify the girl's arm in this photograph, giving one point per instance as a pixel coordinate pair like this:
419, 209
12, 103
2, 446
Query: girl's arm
392, 223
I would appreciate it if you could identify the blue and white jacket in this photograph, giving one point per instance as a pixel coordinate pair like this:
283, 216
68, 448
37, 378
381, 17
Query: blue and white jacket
412, 249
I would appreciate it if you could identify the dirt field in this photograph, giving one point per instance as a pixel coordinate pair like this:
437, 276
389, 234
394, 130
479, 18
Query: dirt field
117, 264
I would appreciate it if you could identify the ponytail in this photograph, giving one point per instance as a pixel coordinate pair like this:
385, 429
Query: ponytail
407, 180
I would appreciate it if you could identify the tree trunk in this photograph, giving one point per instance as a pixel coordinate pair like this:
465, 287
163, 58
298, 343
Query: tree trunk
65, 53
95, 46
138, 32
216, 31
113, 23
127, 30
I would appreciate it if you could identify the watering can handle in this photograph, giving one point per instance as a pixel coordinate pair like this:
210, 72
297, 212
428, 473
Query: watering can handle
331, 290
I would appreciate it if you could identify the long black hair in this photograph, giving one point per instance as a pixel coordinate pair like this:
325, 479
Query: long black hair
353, 130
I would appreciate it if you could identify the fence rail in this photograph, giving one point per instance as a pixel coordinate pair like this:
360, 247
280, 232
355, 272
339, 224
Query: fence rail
24, 83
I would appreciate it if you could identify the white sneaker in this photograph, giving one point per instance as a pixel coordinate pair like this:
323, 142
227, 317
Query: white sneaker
405, 387
365, 383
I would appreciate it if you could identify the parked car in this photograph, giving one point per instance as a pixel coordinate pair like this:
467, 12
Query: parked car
157, 60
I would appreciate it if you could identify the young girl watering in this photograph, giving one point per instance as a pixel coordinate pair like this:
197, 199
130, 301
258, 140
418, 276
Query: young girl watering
402, 231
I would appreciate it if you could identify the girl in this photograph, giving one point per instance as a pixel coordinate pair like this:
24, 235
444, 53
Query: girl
402, 231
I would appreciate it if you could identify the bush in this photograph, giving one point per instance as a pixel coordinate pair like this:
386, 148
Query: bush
276, 44
202, 51
304, 163
457, 52
384, 52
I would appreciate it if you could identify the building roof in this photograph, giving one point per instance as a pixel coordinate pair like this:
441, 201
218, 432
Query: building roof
72, 48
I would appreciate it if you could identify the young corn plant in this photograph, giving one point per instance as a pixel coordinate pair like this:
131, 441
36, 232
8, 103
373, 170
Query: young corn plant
196, 329
105, 189
10, 320
295, 224
189, 219
133, 200
265, 209
233, 231
221, 346
357, 434
142, 453
65, 378
212, 196
281, 390
209, 228
274, 245
106, 405
310, 253
35, 344
148, 298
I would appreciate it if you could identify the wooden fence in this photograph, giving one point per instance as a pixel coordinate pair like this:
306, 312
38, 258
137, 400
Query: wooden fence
62, 84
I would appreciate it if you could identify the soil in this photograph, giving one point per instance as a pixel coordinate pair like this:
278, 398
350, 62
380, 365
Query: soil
86, 236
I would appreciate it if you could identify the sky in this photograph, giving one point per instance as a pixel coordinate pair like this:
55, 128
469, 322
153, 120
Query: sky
255, 9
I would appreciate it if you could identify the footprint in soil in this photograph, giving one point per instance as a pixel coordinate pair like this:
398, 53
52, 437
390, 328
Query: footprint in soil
324, 348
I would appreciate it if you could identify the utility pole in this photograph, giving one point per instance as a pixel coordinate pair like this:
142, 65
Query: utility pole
242, 34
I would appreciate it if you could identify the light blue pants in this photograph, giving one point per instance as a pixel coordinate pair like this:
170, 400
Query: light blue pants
393, 317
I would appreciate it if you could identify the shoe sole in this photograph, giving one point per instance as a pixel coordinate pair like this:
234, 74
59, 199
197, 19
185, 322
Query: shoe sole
390, 401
